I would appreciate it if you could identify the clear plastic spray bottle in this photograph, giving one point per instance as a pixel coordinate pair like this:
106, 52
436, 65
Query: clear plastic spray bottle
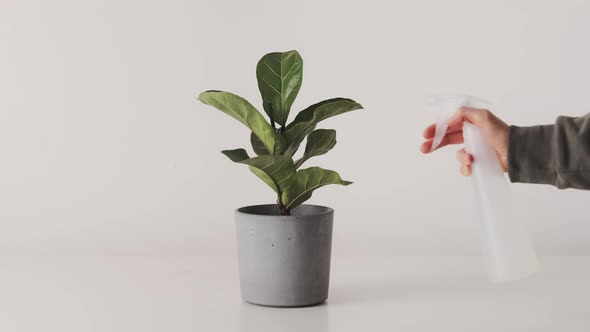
507, 247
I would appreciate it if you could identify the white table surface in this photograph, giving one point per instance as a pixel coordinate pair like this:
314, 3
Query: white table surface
192, 293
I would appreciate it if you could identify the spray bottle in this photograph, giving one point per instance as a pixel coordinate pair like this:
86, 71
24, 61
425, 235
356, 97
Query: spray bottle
506, 244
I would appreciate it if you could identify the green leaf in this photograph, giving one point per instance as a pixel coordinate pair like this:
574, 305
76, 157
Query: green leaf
279, 80
241, 110
325, 109
295, 136
260, 149
257, 145
307, 119
275, 170
236, 155
319, 142
305, 182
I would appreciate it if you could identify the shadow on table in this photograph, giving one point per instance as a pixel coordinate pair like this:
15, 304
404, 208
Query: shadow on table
259, 318
383, 290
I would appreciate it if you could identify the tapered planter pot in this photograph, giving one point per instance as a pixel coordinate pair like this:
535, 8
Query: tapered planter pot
284, 261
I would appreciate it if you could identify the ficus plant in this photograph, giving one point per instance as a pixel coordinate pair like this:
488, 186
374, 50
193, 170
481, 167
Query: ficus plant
276, 141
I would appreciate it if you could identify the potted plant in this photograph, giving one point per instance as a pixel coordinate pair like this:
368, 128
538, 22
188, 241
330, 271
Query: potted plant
284, 248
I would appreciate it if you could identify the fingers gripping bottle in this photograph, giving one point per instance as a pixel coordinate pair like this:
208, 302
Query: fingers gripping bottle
507, 247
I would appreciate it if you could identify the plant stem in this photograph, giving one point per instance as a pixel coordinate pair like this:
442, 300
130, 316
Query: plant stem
283, 208
271, 116
284, 211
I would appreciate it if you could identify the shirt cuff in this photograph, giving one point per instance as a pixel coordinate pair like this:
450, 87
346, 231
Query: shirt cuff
531, 156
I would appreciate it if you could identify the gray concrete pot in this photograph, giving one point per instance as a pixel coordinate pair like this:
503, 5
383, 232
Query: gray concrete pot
284, 261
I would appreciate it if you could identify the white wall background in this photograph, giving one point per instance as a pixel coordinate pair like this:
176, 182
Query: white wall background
103, 148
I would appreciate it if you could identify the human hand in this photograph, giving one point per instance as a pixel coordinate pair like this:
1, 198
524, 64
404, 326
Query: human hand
494, 130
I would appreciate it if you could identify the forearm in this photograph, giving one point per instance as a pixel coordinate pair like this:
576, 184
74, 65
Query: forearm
556, 154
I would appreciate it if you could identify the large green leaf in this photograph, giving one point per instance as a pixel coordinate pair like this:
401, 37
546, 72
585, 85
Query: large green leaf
241, 110
307, 119
260, 149
275, 170
278, 169
305, 182
257, 145
279, 80
319, 142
